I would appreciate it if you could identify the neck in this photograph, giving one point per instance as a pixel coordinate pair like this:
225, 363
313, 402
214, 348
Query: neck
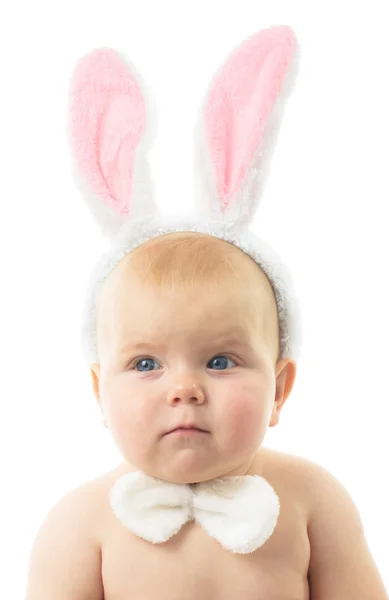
252, 466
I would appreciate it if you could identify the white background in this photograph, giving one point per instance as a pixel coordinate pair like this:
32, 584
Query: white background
324, 209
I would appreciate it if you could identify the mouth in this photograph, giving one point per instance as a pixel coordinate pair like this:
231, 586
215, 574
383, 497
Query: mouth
187, 430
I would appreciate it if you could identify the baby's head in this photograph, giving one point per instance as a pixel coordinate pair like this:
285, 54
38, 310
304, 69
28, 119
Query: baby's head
184, 328
188, 333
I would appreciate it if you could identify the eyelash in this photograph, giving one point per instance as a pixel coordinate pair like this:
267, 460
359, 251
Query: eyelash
133, 363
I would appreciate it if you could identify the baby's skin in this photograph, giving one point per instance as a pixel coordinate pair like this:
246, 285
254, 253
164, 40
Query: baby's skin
317, 551
191, 565
210, 359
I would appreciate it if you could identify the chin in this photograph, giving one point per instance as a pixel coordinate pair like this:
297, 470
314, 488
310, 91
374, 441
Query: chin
195, 471
183, 469
188, 478
176, 475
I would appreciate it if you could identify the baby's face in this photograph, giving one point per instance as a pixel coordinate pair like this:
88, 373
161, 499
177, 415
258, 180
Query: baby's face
170, 359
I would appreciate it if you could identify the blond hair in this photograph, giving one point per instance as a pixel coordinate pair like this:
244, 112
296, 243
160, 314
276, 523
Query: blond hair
187, 261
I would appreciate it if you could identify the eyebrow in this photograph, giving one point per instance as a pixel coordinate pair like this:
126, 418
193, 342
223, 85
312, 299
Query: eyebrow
227, 338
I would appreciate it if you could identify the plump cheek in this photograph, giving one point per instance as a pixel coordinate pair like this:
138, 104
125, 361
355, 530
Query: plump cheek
244, 419
132, 423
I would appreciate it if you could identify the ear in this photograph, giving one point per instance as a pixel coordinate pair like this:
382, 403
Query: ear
237, 127
106, 127
285, 378
95, 372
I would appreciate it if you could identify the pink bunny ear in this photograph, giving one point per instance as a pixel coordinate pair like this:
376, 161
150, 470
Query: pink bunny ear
235, 130
107, 121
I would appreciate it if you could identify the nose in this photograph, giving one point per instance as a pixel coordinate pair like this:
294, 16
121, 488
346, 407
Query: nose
186, 390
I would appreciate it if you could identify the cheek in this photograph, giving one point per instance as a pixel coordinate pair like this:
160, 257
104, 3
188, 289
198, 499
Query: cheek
130, 413
245, 412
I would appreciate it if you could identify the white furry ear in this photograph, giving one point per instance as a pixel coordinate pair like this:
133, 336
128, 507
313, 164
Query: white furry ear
107, 134
238, 124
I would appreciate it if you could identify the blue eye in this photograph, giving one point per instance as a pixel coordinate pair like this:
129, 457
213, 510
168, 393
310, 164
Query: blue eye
143, 361
220, 363
221, 360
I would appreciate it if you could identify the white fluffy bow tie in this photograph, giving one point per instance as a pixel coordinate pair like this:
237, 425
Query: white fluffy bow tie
239, 512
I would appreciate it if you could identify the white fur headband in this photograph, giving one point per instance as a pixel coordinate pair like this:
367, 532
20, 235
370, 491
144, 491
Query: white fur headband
111, 127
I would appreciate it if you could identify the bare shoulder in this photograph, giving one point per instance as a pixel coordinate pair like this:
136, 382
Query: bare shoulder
66, 543
287, 469
309, 482
316, 483
321, 488
341, 564
96, 494
101, 484
78, 505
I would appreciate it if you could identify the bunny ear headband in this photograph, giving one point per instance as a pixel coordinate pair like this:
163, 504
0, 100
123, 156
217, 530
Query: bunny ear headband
110, 130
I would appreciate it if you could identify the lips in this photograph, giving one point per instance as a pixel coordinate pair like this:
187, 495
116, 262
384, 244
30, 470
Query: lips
187, 428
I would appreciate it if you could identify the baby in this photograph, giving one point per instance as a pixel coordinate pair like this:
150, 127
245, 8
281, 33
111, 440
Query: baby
191, 334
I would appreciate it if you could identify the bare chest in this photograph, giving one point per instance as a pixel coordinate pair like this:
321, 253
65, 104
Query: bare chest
192, 565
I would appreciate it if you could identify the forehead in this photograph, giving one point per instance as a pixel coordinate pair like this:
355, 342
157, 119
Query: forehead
135, 305
213, 265
134, 310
